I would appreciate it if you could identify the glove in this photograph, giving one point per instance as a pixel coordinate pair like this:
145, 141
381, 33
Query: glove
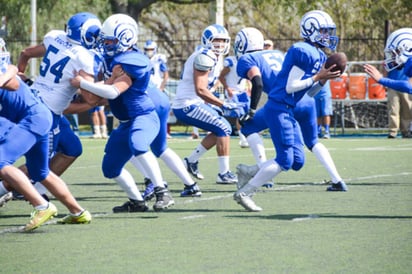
247, 116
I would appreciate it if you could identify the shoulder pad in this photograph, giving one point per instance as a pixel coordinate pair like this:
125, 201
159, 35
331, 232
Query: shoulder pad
205, 60
132, 62
131, 58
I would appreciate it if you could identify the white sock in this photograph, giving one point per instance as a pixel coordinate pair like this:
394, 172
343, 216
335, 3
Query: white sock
127, 183
96, 130
242, 137
223, 164
151, 166
3, 190
323, 155
136, 163
42, 206
197, 153
173, 161
40, 188
257, 147
103, 130
268, 170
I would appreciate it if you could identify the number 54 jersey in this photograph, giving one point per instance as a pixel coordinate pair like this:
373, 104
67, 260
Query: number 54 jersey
62, 59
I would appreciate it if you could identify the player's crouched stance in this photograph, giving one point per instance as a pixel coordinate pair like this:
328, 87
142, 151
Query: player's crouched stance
24, 126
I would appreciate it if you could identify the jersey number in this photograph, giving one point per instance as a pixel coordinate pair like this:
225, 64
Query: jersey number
57, 68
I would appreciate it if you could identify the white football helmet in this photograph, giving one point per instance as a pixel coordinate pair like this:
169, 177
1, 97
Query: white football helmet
398, 48
84, 28
248, 40
150, 48
213, 32
318, 27
4, 57
118, 34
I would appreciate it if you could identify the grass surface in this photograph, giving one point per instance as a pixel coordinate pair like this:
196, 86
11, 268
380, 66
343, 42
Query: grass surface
302, 228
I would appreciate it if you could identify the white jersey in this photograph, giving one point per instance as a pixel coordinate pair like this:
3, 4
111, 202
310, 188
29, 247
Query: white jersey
159, 63
61, 60
232, 79
185, 93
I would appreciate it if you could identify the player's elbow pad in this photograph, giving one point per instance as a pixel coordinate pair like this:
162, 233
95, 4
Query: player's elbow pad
105, 91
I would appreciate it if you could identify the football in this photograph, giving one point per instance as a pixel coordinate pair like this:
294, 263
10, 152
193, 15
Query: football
339, 59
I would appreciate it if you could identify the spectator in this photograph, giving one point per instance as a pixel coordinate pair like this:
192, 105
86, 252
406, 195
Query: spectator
99, 122
324, 111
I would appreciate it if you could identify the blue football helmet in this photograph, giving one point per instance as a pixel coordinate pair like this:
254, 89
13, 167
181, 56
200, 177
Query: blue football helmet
248, 40
318, 27
150, 48
398, 48
84, 28
4, 57
118, 34
213, 32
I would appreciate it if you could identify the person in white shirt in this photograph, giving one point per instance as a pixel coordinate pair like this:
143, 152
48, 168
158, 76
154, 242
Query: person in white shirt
195, 105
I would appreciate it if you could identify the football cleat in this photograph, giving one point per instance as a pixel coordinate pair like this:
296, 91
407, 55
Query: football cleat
246, 201
84, 218
268, 184
193, 170
245, 173
243, 144
339, 186
226, 178
148, 193
191, 191
131, 206
163, 199
39, 217
5, 198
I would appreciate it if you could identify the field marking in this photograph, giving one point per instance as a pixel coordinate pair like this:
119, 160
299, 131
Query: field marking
309, 217
193, 217
20, 229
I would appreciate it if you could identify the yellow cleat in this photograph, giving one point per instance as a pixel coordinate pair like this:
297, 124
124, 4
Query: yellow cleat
39, 217
84, 218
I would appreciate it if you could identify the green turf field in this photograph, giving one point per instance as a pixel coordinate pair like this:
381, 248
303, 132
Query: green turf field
302, 228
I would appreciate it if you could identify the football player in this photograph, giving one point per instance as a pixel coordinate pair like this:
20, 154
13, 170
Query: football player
302, 72
398, 64
25, 124
63, 52
398, 54
193, 100
161, 150
236, 89
129, 102
160, 73
265, 65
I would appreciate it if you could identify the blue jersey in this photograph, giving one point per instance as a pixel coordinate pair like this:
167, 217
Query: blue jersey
308, 59
19, 104
269, 62
135, 100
